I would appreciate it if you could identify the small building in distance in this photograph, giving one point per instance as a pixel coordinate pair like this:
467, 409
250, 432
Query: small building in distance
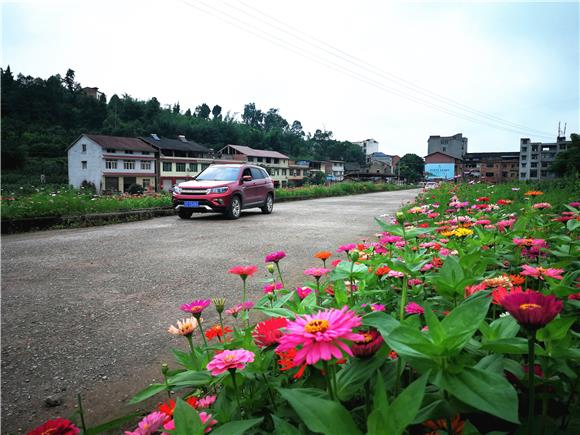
179, 159
277, 164
111, 163
536, 158
442, 166
455, 145
93, 92
298, 171
369, 146
492, 167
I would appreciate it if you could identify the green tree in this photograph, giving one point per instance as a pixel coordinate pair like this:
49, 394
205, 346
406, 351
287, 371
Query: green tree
567, 162
252, 116
202, 111
411, 167
216, 112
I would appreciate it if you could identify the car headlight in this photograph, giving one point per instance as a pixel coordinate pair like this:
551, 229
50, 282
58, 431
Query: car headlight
218, 190
176, 189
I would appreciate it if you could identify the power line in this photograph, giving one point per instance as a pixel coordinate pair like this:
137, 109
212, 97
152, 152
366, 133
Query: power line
203, 7
389, 76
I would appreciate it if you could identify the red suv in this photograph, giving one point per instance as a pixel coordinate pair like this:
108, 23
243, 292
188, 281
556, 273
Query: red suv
225, 189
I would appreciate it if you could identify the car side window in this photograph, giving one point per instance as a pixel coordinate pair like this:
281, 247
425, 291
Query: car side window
264, 173
257, 174
247, 172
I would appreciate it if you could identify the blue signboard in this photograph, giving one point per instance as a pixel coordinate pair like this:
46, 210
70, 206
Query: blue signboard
440, 171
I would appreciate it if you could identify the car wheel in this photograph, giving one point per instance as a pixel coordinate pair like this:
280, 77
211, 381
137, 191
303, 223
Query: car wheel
184, 213
235, 208
268, 205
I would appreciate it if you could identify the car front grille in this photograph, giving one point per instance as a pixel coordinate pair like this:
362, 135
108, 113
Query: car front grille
194, 191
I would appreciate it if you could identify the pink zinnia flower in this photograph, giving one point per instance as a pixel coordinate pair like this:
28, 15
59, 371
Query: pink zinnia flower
270, 288
369, 345
243, 271
378, 307
230, 360
58, 426
390, 239
414, 281
275, 257
196, 307
542, 205
540, 272
302, 292
234, 311
414, 308
317, 272
532, 309
395, 274
150, 424
321, 336
574, 204
346, 248
503, 225
206, 401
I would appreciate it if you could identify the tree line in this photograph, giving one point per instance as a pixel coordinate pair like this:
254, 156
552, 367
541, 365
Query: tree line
41, 117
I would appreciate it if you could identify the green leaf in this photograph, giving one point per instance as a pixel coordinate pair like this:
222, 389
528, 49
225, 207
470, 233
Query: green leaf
320, 415
463, 321
186, 418
237, 427
113, 424
505, 327
190, 378
435, 329
276, 312
556, 329
383, 322
146, 393
378, 416
486, 391
351, 378
404, 408
184, 358
515, 345
282, 427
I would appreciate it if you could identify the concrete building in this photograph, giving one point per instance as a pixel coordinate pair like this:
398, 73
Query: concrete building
94, 92
369, 146
337, 168
442, 166
297, 172
455, 145
492, 167
537, 157
275, 163
111, 163
178, 159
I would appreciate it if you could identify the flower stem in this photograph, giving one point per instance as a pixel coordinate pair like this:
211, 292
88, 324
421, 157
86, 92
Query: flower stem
403, 299
531, 378
280, 275
198, 318
316, 296
329, 380
81, 413
233, 373
221, 321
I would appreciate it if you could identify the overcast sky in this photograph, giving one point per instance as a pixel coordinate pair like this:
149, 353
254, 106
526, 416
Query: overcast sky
392, 71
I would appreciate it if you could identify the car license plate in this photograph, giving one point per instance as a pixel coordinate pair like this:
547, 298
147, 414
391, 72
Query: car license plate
191, 204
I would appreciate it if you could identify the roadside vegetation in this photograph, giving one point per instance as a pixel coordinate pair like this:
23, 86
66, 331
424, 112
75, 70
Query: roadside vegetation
19, 202
460, 318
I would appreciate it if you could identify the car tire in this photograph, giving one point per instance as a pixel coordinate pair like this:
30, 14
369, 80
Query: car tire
235, 208
268, 206
184, 213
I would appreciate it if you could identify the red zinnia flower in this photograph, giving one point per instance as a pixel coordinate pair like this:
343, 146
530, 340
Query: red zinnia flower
267, 333
217, 331
456, 425
531, 309
501, 292
168, 407
275, 257
383, 270
243, 271
58, 426
369, 345
286, 362
517, 279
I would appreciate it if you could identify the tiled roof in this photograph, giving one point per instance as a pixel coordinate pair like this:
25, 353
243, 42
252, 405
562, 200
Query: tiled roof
120, 143
176, 144
257, 153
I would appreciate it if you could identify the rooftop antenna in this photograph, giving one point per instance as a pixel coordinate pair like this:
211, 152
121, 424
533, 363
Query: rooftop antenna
559, 129
564, 133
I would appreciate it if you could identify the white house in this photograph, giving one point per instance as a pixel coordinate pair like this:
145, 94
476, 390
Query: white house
368, 146
111, 163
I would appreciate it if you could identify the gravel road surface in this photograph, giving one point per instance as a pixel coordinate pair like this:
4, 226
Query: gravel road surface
87, 310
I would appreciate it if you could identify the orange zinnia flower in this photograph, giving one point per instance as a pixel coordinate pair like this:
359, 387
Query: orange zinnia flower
216, 331
456, 425
323, 255
517, 279
534, 193
383, 270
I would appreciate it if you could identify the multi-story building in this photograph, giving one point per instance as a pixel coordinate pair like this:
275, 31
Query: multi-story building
368, 146
536, 158
111, 163
492, 167
178, 159
274, 162
94, 92
337, 168
442, 166
297, 172
455, 145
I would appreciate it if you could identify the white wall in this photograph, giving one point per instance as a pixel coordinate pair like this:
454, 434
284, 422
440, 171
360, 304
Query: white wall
94, 158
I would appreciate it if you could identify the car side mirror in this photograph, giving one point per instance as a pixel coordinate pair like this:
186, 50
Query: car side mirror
247, 178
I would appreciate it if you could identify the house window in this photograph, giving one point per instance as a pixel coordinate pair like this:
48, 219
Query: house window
489, 174
268, 160
533, 165
524, 157
562, 147
204, 166
524, 165
146, 183
145, 153
444, 149
167, 166
84, 164
84, 147
533, 174
544, 173
110, 150
129, 165
276, 161
524, 149
128, 152
193, 167
522, 175
111, 164
260, 159
180, 167
146, 165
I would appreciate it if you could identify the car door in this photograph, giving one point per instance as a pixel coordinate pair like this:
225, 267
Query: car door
261, 184
249, 188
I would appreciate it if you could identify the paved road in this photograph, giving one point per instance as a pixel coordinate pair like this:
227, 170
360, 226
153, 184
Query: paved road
86, 310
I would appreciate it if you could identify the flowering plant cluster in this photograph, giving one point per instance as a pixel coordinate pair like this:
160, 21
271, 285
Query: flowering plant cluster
459, 317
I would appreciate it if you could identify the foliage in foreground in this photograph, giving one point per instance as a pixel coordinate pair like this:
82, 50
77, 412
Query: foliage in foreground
461, 318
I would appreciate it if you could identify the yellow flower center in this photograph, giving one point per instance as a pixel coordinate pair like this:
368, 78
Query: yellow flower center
196, 308
367, 338
229, 358
316, 326
530, 307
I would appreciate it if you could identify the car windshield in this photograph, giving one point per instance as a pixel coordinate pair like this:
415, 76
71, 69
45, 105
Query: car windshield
219, 173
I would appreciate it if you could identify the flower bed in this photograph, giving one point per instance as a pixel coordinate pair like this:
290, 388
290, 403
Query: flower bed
461, 318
